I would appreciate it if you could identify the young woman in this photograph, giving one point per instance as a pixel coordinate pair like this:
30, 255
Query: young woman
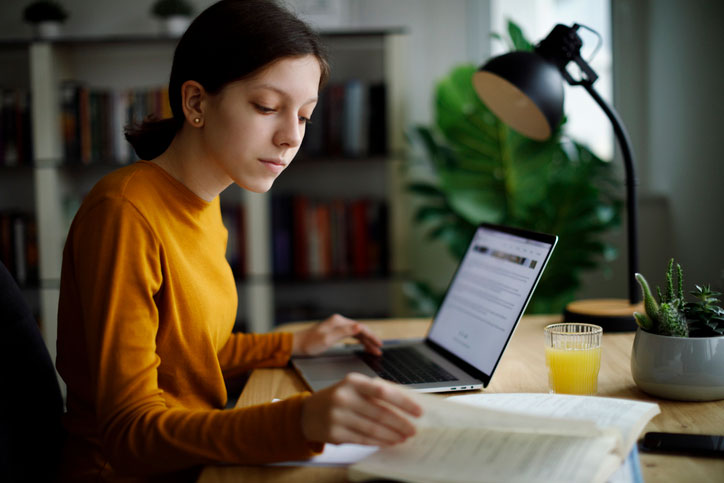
148, 301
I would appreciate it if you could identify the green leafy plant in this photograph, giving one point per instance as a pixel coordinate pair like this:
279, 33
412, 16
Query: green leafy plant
672, 315
483, 171
168, 8
44, 11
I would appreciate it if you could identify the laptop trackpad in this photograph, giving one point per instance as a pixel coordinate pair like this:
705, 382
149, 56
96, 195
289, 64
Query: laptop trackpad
330, 369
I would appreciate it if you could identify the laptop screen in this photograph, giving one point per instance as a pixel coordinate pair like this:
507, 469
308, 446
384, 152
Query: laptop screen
489, 292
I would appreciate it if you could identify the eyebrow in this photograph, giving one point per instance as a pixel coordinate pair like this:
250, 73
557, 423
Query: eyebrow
284, 93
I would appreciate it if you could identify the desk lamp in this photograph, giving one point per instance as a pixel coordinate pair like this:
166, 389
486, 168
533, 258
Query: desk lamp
525, 90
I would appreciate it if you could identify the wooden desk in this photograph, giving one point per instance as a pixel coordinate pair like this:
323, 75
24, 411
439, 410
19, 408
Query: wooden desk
522, 369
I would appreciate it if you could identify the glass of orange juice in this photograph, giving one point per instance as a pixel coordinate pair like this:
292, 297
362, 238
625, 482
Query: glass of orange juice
573, 357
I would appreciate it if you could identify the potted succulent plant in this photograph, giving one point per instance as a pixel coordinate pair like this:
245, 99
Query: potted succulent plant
678, 350
174, 15
46, 17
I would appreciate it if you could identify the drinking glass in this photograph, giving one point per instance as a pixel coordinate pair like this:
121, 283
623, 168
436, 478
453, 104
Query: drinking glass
573, 357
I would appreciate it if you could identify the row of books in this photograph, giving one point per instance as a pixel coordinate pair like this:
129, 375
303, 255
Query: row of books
16, 143
325, 239
19, 246
93, 120
350, 120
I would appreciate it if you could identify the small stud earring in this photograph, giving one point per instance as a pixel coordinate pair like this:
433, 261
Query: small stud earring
197, 120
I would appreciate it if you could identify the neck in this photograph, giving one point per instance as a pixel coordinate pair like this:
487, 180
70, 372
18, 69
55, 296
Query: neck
186, 162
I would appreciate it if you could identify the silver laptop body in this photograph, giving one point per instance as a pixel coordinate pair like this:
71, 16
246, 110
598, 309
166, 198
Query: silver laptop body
472, 327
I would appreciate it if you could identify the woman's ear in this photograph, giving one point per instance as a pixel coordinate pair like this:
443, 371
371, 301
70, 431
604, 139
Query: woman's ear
193, 101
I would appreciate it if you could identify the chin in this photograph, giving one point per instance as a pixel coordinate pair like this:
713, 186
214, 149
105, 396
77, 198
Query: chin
256, 186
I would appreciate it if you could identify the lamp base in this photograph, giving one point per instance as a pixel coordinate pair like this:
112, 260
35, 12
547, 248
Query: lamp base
613, 315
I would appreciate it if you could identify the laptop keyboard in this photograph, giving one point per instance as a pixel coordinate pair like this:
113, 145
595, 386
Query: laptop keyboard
405, 365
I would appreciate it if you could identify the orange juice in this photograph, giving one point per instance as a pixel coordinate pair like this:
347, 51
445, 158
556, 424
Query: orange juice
572, 370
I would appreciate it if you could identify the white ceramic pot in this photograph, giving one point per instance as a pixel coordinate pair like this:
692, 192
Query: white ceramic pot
47, 30
175, 25
680, 368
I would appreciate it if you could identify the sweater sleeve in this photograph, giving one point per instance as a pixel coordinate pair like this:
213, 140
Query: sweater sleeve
118, 269
250, 351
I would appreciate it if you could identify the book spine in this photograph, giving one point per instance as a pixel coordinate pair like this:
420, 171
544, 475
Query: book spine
355, 122
282, 237
10, 150
335, 113
313, 241
26, 138
69, 120
85, 130
18, 246
360, 238
325, 239
377, 120
340, 262
300, 237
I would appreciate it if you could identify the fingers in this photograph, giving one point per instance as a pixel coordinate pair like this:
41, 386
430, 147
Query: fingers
360, 410
378, 389
338, 327
361, 429
371, 342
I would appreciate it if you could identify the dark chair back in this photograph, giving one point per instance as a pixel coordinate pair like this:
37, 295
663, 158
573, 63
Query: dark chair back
31, 405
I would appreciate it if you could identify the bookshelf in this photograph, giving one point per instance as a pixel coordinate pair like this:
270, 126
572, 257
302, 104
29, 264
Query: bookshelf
49, 188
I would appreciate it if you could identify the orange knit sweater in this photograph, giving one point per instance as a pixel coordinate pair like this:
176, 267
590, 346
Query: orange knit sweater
147, 304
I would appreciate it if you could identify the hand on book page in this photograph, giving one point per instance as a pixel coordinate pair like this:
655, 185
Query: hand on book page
463, 443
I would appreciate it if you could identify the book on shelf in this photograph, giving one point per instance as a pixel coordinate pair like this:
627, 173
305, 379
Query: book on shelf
355, 119
349, 121
16, 147
93, 120
19, 246
513, 437
319, 239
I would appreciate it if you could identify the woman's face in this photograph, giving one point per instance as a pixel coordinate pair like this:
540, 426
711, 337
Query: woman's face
253, 127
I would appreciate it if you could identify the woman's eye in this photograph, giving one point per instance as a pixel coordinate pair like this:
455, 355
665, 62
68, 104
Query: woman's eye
305, 120
263, 109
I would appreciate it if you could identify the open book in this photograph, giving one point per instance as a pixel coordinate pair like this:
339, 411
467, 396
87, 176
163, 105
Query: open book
513, 437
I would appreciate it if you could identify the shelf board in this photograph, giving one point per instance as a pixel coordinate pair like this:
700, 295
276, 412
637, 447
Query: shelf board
155, 38
79, 41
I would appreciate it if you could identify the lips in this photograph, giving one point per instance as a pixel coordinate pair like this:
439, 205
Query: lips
275, 165
278, 162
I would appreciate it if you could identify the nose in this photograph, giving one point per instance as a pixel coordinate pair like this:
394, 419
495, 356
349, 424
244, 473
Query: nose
290, 132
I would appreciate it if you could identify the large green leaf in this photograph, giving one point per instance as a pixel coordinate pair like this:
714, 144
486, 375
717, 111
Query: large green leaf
484, 171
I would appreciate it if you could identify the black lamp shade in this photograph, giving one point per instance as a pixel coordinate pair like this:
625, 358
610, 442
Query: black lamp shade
524, 90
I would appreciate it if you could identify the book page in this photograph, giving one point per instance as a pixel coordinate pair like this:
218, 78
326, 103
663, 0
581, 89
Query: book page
440, 412
627, 416
438, 454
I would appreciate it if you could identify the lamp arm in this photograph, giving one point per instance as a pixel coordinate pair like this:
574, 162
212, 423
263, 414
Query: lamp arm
634, 294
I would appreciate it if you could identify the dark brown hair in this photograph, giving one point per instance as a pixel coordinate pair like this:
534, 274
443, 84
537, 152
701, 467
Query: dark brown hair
230, 40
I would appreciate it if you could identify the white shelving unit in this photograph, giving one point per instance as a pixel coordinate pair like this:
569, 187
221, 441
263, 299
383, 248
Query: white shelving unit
145, 63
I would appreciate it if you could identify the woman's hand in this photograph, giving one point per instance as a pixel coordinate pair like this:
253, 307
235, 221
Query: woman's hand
322, 336
359, 410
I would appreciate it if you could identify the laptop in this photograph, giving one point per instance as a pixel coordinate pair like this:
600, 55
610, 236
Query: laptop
472, 327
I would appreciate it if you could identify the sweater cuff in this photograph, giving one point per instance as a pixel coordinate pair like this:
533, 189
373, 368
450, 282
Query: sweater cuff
287, 341
293, 424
